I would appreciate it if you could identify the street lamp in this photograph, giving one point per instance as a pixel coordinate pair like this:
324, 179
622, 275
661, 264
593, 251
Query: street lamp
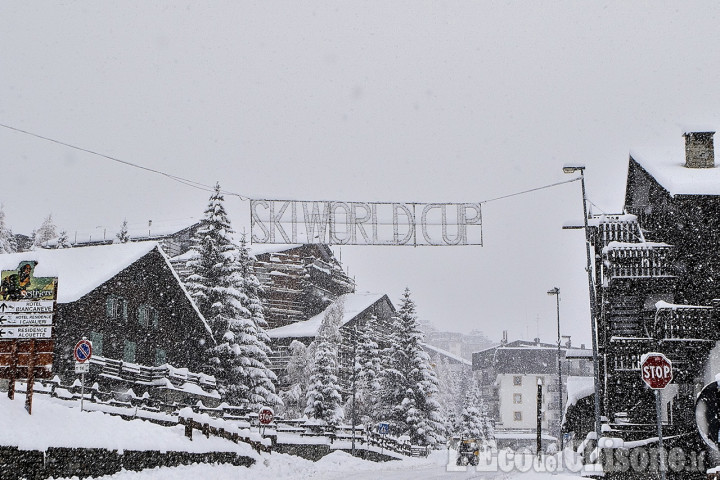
556, 291
572, 168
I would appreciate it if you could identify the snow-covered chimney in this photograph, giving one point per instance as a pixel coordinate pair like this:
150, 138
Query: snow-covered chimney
699, 151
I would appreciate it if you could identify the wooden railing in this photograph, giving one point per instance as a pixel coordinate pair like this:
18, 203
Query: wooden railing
685, 323
641, 261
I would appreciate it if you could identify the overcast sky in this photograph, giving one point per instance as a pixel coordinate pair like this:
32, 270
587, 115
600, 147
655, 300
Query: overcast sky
359, 101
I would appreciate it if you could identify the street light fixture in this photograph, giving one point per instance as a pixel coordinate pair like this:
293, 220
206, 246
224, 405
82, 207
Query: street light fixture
556, 291
572, 168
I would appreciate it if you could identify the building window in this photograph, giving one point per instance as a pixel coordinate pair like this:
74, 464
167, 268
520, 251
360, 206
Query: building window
517, 380
517, 416
147, 316
116, 308
129, 352
97, 343
160, 357
517, 398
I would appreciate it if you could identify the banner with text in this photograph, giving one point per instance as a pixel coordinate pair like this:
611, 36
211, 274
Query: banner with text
365, 223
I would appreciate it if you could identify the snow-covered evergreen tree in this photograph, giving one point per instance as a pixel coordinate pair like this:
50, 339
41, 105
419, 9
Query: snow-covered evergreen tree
7, 239
367, 372
218, 284
63, 241
46, 232
254, 340
471, 421
323, 396
409, 384
297, 373
122, 235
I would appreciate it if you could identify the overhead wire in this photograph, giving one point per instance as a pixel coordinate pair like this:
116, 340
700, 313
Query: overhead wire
209, 188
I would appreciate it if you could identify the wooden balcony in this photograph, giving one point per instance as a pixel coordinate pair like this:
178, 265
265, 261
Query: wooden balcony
638, 260
686, 323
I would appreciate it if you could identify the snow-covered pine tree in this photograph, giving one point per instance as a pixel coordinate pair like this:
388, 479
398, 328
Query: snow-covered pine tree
46, 232
217, 285
297, 372
63, 241
122, 235
417, 384
367, 370
254, 340
7, 239
471, 420
323, 395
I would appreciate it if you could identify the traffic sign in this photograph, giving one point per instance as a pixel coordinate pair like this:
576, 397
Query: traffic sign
383, 428
265, 416
25, 332
38, 306
82, 351
656, 370
18, 319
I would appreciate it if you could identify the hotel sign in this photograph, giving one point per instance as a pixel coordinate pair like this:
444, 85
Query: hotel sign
365, 223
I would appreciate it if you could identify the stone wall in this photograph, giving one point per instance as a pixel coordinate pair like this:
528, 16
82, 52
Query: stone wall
93, 462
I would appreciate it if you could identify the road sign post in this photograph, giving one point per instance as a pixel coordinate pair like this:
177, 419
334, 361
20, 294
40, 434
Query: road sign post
27, 305
656, 372
82, 353
265, 417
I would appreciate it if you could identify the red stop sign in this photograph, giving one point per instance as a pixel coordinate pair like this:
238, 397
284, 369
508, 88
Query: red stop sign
656, 370
265, 416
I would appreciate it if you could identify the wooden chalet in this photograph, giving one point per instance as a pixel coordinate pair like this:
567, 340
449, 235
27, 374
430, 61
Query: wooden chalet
299, 281
147, 334
656, 271
357, 309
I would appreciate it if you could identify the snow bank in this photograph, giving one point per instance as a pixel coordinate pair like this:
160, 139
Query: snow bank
53, 424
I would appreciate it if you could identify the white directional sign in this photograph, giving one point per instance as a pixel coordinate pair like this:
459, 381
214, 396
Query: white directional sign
22, 319
25, 332
40, 306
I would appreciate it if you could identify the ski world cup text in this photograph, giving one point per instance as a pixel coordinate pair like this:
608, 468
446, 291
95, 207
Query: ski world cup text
365, 223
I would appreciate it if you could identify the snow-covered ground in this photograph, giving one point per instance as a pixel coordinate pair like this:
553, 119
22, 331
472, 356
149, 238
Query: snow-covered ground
54, 424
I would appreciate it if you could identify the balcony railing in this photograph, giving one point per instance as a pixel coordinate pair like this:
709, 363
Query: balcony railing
640, 260
684, 323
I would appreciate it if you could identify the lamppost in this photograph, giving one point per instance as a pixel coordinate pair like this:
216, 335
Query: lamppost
593, 314
556, 291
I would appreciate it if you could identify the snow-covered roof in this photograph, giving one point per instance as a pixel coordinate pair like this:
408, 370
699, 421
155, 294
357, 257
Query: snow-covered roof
80, 270
667, 166
578, 353
447, 354
353, 305
577, 388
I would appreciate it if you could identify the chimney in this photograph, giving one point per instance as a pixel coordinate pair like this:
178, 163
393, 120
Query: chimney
504, 338
699, 152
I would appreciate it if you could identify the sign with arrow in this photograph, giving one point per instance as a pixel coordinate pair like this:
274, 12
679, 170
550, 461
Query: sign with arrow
21, 319
41, 306
25, 332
